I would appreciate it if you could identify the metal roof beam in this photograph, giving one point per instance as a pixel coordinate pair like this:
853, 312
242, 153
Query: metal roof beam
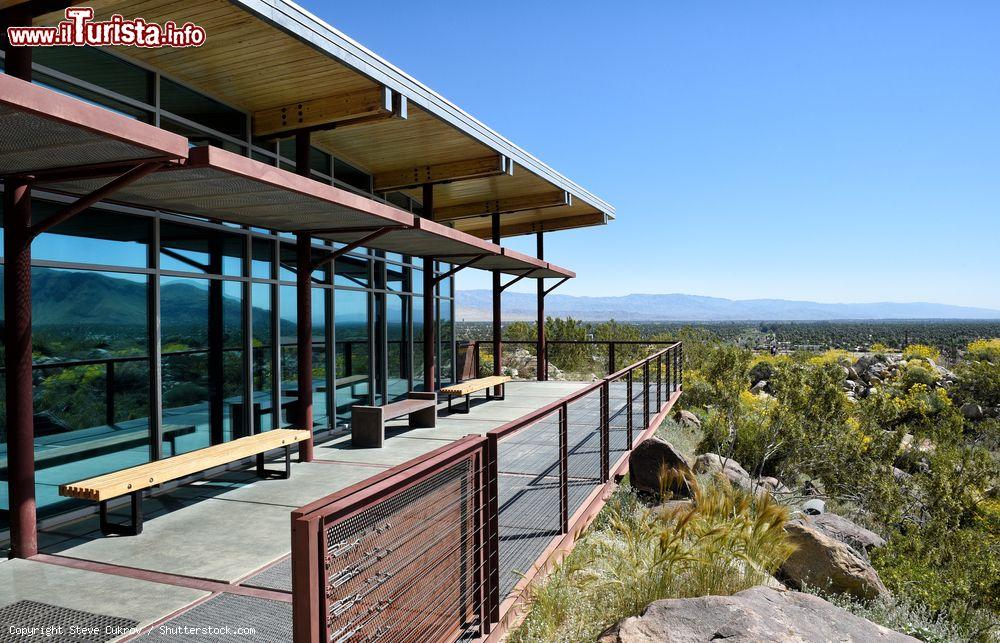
412, 177
328, 112
503, 206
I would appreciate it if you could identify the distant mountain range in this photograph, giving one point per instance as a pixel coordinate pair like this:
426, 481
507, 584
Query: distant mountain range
476, 305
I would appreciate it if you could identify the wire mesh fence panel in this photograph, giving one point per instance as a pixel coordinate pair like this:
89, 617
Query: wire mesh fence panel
435, 548
528, 497
584, 442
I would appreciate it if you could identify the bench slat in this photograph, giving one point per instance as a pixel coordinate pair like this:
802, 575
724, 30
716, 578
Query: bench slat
471, 386
143, 476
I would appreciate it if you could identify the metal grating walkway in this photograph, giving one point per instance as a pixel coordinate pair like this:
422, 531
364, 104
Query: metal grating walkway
34, 621
228, 618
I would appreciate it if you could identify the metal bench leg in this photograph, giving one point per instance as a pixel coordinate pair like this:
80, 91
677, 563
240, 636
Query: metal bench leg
468, 403
109, 528
262, 472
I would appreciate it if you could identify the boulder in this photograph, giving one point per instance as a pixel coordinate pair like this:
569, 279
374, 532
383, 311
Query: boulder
846, 531
687, 419
759, 387
753, 615
900, 476
655, 466
972, 411
772, 485
828, 564
713, 463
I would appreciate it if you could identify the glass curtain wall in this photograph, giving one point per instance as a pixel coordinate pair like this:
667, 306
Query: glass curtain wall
225, 300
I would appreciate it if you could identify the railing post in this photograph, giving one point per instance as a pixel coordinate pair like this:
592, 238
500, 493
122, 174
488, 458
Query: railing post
308, 582
628, 406
109, 392
659, 381
670, 372
645, 395
564, 467
611, 358
492, 528
680, 366
475, 347
605, 431
481, 540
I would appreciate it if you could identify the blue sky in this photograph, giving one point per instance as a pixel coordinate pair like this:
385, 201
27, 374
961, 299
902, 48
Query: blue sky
839, 151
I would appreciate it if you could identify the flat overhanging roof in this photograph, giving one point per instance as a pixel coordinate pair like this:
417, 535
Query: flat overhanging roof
224, 186
85, 147
270, 57
44, 130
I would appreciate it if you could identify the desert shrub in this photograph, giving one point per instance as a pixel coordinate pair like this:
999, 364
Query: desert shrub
683, 438
979, 382
917, 371
987, 350
722, 543
921, 351
902, 614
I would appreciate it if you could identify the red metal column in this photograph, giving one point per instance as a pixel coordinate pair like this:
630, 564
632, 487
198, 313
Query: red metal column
17, 305
430, 367
497, 322
541, 348
303, 283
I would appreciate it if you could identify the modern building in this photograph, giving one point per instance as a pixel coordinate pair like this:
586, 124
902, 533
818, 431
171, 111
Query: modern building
210, 242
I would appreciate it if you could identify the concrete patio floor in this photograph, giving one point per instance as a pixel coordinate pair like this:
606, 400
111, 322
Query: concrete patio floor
211, 540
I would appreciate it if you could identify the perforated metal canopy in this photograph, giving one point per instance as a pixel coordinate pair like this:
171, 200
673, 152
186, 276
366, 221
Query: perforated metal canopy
77, 148
43, 130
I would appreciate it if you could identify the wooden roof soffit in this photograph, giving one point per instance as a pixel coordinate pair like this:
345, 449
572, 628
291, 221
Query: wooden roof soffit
411, 177
503, 206
365, 106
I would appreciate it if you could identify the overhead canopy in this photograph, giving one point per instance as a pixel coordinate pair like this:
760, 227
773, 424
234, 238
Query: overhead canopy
76, 148
42, 130
289, 69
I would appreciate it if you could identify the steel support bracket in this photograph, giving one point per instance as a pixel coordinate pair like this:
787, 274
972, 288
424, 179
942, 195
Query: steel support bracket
72, 209
339, 252
444, 275
513, 281
557, 284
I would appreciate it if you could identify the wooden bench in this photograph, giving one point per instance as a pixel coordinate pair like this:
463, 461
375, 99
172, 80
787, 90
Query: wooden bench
134, 480
468, 387
101, 443
368, 422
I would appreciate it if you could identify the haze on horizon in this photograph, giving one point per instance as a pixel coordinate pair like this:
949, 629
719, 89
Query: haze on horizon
839, 152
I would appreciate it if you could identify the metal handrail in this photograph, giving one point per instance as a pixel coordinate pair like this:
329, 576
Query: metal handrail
311, 524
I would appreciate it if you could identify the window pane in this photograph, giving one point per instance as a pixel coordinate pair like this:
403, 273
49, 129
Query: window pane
351, 271
201, 109
98, 68
351, 175
91, 380
446, 330
353, 350
398, 336
203, 250
418, 343
201, 339
263, 257
93, 236
263, 365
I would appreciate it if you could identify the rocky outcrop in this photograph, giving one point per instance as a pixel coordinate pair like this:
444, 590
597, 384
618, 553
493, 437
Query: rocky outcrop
755, 615
687, 419
655, 466
846, 531
828, 564
713, 463
972, 411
